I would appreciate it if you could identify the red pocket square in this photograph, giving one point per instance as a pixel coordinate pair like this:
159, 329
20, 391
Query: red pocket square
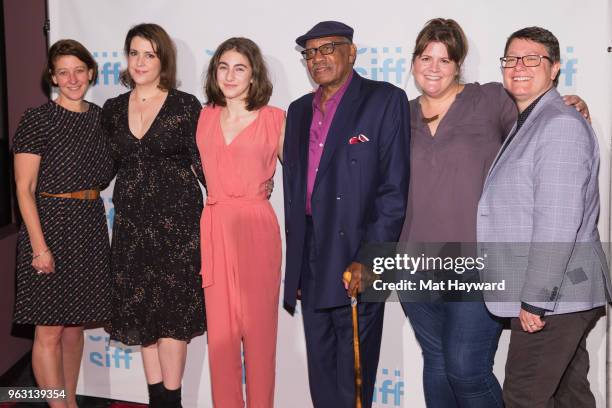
358, 139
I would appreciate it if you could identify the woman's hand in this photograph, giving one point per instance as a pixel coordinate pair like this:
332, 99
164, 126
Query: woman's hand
269, 186
578, 103
43, 262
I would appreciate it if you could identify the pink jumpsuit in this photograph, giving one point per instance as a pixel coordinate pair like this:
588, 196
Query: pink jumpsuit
241, 257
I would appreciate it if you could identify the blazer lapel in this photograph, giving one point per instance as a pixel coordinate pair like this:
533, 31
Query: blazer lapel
531, 119
501, 149
304, 144
340, 127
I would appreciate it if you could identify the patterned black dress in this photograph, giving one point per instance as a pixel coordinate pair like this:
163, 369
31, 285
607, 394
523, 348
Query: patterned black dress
74, 156
156, 238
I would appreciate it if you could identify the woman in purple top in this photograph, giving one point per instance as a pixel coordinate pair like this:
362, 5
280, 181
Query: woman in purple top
456, 132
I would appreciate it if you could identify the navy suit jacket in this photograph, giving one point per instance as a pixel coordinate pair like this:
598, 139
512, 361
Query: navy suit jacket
360, 191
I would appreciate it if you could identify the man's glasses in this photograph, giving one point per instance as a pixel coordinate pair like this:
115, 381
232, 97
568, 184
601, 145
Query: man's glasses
528, 60
325, 49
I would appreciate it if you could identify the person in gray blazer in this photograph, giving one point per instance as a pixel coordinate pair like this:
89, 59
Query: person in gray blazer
537, 228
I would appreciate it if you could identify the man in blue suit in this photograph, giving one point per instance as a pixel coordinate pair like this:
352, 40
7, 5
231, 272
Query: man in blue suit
345, 178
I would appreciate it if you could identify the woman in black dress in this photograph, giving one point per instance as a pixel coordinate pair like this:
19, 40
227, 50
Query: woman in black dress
62, 161
158, 299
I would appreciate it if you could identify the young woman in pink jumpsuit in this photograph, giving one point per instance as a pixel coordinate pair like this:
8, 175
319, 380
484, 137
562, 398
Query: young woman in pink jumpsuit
239, 138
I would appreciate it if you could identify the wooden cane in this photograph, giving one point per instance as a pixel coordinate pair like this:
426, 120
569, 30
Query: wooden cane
346, 277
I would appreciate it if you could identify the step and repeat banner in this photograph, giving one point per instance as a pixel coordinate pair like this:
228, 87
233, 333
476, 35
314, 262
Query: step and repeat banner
384, 34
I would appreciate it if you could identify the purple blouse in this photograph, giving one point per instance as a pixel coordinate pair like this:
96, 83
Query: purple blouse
448, 170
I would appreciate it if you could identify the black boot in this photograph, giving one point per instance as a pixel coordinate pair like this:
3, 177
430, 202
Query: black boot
173, 398
156, 395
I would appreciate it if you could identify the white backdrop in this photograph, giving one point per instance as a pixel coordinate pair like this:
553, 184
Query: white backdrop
384, 34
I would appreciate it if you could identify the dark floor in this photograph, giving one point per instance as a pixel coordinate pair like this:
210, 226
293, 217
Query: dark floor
20, 375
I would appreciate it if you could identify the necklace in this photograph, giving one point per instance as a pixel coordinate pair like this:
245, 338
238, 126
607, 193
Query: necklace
431, 119
435, 117
145, 108
148, 98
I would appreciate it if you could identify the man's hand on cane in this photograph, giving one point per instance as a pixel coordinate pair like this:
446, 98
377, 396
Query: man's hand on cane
357, 278
352, 279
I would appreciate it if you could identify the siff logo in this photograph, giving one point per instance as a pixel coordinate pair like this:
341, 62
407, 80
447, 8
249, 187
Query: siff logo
110, 64
382, 64
568, 67
390, 391
119, 358
208, 54
110, 213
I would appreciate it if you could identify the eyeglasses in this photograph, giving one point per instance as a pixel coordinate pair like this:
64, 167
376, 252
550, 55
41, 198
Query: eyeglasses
325, 49
528, 60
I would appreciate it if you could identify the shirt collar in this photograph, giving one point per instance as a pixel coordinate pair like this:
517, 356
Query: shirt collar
316, 102
522, 117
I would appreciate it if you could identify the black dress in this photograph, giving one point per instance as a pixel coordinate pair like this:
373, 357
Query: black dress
155, 263
74, 156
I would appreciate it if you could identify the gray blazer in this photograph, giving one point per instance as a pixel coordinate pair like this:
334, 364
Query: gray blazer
537, 216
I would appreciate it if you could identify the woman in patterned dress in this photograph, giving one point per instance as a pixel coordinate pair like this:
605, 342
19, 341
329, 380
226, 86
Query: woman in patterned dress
240, 137
63, 276
157, 296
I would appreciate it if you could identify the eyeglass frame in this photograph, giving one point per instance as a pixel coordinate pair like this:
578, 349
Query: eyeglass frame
501, 60
333, 44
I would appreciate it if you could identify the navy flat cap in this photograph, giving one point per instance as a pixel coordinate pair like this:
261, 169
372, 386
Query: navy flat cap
325, 29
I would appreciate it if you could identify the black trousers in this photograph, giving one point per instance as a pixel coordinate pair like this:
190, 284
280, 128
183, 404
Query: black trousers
548, 369
329, 342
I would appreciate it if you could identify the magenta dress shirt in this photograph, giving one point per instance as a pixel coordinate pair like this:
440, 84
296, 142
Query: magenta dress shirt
319, 127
